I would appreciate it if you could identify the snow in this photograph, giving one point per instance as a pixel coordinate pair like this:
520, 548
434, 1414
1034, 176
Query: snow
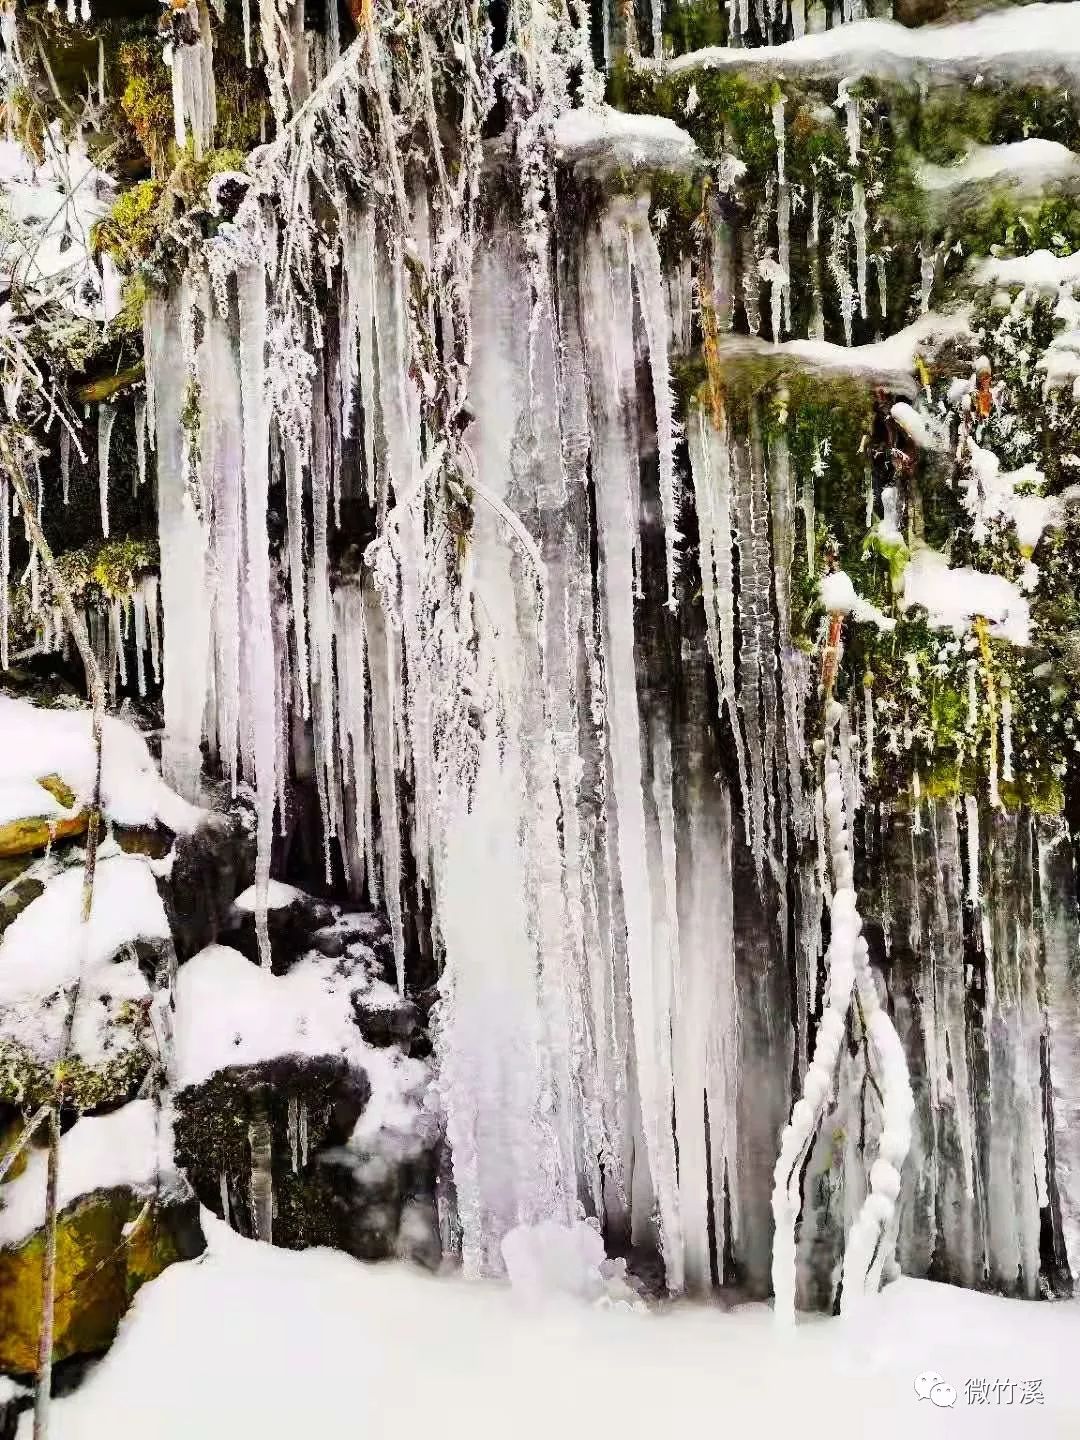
993, 492
23, 799
551, 1259
1036, 40
276, 1343
279, 896
1027, 167
231, 1012
99, 1152
613, 138
954, 597
56, 204
916, 425
40, 742
1041, 270
38, 954
889, 362
839, 597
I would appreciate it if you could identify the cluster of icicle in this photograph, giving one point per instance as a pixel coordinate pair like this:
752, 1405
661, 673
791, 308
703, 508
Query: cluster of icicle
838, 244
791, 19
866, 1251
129, 625
245, 329
479, 730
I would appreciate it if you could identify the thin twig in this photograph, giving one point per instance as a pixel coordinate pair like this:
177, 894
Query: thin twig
11, 462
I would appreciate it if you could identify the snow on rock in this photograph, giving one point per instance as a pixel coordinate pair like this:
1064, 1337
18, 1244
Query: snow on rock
1017, 41
278, 1343
20, 799
994, 493
954, 597
99, 1152
1041, 270
1025, 167
279, 896
45, 949
40, 953
39, 742
839, 597
919, 427
603, 137
231, 1012
889, 362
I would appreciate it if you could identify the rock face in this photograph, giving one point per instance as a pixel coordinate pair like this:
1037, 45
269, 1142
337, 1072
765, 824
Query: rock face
762, 470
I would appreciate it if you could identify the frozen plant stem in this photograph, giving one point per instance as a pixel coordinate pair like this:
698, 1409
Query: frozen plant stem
11, 465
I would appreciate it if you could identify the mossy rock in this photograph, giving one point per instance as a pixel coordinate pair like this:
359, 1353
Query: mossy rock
37, 832
212, 1136
143, 840
19, 889
99, 1270
28, 1080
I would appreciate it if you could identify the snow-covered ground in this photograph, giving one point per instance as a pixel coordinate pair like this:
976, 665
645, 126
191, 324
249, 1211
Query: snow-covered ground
251, 1340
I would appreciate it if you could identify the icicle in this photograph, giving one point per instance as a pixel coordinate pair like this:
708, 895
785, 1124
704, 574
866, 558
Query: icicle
868, 713
65, 462
782, 284
972, 697
710, 466
838, 268
193, 89
140, 445
182, 542
927, 267
381, 646
1006, 734
610, 347
817, 314
150, 591
259, 642
293, 1121
645, 259
116, 627
260, 1141
971, 814
223, 1191
138, 613
809, 522
858, 204
106, 421
294, 510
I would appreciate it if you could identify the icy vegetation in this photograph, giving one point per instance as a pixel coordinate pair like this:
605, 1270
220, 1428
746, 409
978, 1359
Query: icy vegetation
593, 535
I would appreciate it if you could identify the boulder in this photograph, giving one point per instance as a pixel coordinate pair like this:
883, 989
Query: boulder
100, 1264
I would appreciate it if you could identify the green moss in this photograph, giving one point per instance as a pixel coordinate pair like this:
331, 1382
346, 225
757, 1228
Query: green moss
27, 1081
131, 229
141, 222
96, 574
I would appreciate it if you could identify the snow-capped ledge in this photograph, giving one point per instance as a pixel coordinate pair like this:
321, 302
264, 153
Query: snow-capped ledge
1023, 41
890, 362
1028, 169
601, 139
